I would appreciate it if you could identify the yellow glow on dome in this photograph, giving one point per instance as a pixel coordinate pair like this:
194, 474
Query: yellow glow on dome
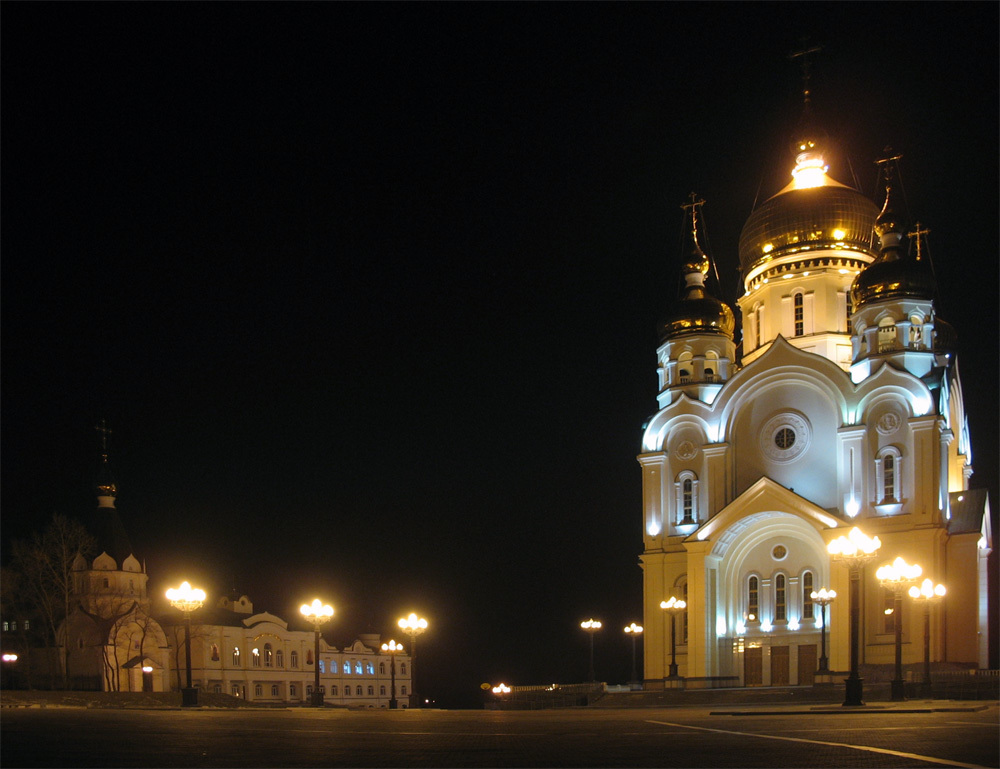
839, 234
768, 248
810, 169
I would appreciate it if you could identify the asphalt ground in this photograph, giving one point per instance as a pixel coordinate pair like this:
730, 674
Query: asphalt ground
910, 735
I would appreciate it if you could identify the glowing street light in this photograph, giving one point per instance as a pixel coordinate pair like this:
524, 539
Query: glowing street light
673, 607
187, 599
413, 626
824, 598
634, 630
317, 613
925, 594
9, 659
591, 626
392, 649
854, 551
897, 576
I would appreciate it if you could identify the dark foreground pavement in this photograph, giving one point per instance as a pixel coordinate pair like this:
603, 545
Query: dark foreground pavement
920, 734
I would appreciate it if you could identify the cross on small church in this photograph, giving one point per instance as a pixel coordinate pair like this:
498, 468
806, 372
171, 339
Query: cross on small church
105, 431
918, 233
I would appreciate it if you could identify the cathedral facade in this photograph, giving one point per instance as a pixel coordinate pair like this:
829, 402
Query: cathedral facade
841, 408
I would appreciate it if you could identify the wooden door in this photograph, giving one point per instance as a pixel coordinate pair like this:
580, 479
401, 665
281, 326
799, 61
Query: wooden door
807, 664
753, 666
779, 666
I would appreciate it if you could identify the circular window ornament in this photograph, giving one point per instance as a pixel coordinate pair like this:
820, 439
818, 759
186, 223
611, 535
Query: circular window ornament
779, 552
888, 423
785, 437
686, 450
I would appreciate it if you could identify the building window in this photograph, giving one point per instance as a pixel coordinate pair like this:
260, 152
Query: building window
6, 626
217, 689
402, 668
886, 335
333, 690
293, 690
322, 689
347, 667
685, 376
807, 589
369, 668
236, 690
753, 599
381, 668
684, 616
359, 692
709, 375
106, 583
888, 611
403, 690
799, 314
333, 666
780, 605
371, 690
258, 690
236, 656
887, 471
268, 656
758, 322
357, 668
27, 625
322, 668
274, 690
686, 500
381, 690
215, 652
309, 689
309, 657
294, 656
279, 658
255, 656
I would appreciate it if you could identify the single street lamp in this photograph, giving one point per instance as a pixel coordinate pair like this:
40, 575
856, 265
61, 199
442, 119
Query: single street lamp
591, 626
673, 607
897, 576
392, 648
413, 626
925, 594
187, 599
854, 551
634, 630
823, 598
9, 658
317, 613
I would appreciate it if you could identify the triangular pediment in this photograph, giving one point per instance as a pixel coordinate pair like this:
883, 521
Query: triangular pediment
763, 498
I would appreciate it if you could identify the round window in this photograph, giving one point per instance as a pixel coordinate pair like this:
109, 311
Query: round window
784, 438
779, 552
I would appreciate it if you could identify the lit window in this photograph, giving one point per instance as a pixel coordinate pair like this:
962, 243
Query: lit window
886, 335
686, 500
807, 601
369, 668
255, 656
357, 668
347, 667
26, 625
799, 314
322, 668
753, 599
887, 472
268, 656
888, 611
333, 666
236, 656
780, 606
215, 652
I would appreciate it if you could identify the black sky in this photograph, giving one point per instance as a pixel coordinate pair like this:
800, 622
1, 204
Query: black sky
368, 293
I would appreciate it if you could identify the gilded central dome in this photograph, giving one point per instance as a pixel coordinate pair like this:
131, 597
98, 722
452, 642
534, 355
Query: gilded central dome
829, 216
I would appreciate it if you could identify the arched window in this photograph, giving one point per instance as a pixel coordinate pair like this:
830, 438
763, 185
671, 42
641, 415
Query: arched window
347, 667
886, 335
322, 667
294, 657
807, 589
709, 375
274, 690
357, 668
753, 599
333, 666
381, 690
780, 601
333, 689
799, 314
684, 363
309, 657
887, 472
686, 498
916, 332
255, 656
293, 690
215, 652
359, 692
369, 668
371, 690
758, 316
403, 690
888, 611
268, 656
381, 668
402, 668
279, 658
217, 689
236, 656
258, 690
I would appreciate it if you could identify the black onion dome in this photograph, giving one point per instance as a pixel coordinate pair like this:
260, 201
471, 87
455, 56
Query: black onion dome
945, 336
887, 279
828, 216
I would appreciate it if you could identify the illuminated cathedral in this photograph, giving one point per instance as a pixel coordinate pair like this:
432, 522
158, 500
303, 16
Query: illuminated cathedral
841, 407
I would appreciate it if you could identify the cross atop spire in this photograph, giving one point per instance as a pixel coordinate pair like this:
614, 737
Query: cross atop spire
917, 234
105, 431
803, 54
107, 489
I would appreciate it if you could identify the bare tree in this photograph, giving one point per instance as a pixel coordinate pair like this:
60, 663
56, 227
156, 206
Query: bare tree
45, 566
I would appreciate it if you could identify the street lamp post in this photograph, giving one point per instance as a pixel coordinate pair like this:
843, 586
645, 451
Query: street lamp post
823, 598
591, 626
392, 648
9, 658
897, 576
673, 607
854, 550
924, 594
413, 626
187, 599
634, 630
317, 613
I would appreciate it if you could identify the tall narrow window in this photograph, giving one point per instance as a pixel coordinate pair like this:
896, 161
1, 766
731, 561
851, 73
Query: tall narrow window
322, 667
279, 658
887, 470
236, 656
688, 501
807, 601
255, 655
294, 658
780, 605
686, 498
886, 335
753, 599
889, 477
268, 656
799, 314
215, 652
888, 611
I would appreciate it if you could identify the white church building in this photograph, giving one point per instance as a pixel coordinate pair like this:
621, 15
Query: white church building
842, 407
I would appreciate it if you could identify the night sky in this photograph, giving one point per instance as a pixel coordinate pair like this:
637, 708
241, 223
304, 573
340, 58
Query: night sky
368, 293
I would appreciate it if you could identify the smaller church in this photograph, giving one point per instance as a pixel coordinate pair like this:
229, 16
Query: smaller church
840, 407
